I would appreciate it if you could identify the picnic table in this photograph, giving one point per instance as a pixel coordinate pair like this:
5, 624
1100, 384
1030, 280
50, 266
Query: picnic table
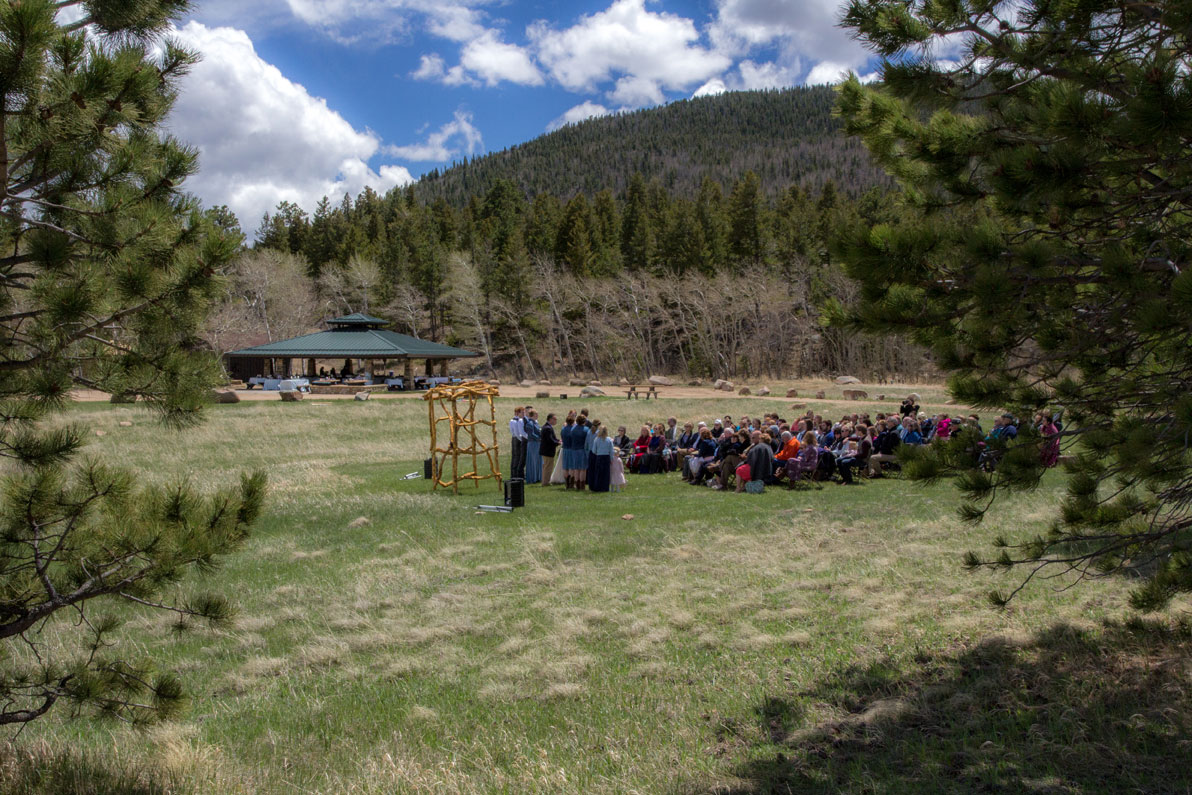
632, 394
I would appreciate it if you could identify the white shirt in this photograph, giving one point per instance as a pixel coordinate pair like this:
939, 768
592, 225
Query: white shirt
517, 428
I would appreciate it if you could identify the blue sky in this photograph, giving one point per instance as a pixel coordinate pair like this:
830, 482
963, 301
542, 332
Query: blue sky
296, 99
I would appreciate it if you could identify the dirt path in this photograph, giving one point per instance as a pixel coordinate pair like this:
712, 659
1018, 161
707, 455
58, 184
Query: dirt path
933, 395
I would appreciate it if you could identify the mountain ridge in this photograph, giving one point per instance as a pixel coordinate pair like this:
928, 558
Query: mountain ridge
786, 136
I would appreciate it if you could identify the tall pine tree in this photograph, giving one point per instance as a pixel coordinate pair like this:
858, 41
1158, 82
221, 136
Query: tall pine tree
107, 273
1048, 258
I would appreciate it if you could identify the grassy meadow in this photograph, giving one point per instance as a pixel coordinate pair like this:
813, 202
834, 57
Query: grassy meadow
393, 640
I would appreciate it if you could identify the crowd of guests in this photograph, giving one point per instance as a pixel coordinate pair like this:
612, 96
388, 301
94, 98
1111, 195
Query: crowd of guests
743, 454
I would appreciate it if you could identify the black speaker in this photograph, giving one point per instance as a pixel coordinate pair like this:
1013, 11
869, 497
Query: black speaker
428, 468
515, 492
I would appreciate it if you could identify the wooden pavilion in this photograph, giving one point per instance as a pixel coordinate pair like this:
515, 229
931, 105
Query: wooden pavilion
352, 338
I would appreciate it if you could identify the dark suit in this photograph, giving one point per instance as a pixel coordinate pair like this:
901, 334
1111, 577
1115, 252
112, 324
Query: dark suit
548, 446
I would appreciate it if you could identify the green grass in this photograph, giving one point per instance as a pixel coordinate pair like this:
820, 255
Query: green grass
818, 641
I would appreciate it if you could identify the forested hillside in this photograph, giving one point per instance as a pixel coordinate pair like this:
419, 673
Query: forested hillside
786, 137
638, 244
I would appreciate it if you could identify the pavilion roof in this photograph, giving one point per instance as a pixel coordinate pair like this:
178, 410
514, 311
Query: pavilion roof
355, 339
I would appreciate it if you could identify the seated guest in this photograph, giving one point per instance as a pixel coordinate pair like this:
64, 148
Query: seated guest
686, 448
728, 457
803, 465
640, 447
759, 461
705, 453
884, 448
911, 433
622, 442
672, 430
857, 456
654, 461
788, 449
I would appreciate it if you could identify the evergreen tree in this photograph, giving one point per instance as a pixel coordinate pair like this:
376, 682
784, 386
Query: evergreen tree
573, 247
445, 223
637, 227
713, 222
107, 273
1047, 262
748, 239
606, 234
683, 246
321, 242
506, 268
542, 226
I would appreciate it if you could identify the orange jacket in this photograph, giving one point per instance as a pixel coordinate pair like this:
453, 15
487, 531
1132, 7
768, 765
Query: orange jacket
789, 450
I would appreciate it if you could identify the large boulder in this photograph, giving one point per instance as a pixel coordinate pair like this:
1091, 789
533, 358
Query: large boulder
292, 396
846, 380
224, 397
622, 382
363, 395
723, 386
744, 391
695, 382
591, 391
820, 395
856, 394
541, 395
544, 382
790, 393
577, 382
661, 380
526, 384
595, 383
764, 391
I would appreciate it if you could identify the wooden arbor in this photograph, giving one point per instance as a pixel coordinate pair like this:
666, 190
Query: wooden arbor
460, 436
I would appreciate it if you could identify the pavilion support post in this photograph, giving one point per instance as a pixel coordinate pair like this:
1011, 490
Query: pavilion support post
443, 367
430, 366
310, 368
408, 374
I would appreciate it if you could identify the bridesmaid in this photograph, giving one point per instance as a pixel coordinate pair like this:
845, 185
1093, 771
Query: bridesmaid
533, 447
600, 462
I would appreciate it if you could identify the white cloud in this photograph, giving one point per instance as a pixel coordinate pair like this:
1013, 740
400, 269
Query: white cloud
431, 67
585, 110
436, 147
802, 30
826, 72
493, 60
457, 23
766, 75
636, 92
263, 138
626, 40
710, 89
354, 21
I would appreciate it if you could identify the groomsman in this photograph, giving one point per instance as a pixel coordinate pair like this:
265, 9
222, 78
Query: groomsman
517, 430
550, 445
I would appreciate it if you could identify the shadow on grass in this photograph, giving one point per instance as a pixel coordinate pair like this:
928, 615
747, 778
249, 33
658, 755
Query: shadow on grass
38, 770
1064, 711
